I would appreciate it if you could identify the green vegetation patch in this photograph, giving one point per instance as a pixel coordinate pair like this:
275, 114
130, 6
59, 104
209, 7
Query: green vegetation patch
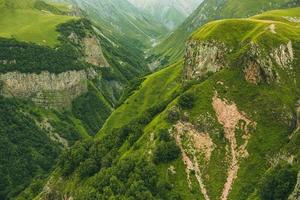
30, 58
26, 23
25, 149
33, 58
157, 88
92, 109
278, 183
31, 26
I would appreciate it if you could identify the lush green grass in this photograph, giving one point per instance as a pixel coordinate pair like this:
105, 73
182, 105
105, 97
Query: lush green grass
25, 23
157, 88
235, 8
236, 33
17, 3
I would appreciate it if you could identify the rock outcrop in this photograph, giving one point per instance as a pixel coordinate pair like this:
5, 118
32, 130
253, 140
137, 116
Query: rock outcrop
91, 49
93, 52
202, 57
257, 67
52, 90
259, 64
46, 89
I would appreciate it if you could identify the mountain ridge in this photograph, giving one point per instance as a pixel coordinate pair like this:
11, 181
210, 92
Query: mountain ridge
207, 11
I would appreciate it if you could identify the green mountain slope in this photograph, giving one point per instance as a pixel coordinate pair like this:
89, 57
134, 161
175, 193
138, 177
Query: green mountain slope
33, 137
60, 78
172, 47
156, 91
224, 124
72, 40
19, 23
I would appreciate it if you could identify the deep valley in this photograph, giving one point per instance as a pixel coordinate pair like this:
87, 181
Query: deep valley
142, 100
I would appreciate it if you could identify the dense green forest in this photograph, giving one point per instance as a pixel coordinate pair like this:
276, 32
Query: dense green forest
25, 149
32, 58
29, 152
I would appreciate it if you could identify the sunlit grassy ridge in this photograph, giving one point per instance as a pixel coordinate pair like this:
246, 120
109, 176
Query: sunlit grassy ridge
172, 47
269, 29
17, 4
20, 20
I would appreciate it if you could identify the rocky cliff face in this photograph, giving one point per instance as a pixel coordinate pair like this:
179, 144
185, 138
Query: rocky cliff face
93, 52
203, 57
47, 89
260, 65
57, 89
91, 49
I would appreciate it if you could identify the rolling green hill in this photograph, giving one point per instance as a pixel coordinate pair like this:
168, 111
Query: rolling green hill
22, 21
222, 124
172, 47
17, 4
